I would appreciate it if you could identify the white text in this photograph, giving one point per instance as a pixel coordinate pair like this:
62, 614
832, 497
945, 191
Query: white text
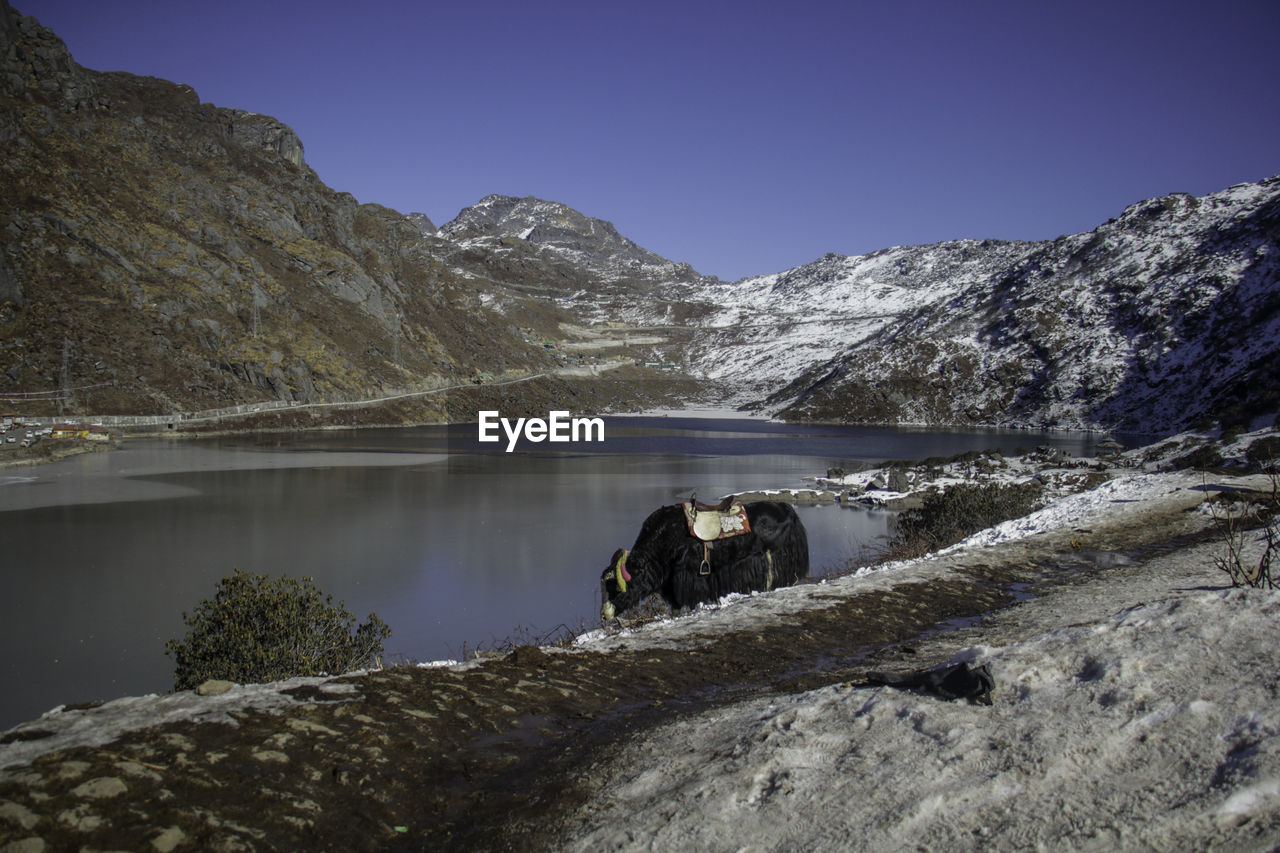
558, 427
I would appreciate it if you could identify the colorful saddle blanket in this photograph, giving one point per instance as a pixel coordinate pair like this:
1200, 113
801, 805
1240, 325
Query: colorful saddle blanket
719, 522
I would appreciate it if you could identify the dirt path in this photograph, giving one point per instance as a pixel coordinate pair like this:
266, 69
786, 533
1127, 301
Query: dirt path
499, 756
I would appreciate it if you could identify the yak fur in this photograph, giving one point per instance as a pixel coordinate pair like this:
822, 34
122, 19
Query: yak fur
666, 559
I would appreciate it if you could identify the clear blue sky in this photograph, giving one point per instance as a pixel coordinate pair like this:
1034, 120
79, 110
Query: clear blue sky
740, 137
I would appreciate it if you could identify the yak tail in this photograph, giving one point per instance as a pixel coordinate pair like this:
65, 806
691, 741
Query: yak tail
794, 557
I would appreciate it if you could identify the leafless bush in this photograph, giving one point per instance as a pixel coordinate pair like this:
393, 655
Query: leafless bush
1239, 524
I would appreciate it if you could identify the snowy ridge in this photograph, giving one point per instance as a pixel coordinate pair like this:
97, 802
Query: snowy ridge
780, 325
1155, 318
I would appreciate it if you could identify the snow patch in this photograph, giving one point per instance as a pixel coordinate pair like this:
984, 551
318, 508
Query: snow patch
62, 728
1120, 733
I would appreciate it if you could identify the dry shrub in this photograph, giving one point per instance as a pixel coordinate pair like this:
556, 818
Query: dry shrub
951, 515
1237, 524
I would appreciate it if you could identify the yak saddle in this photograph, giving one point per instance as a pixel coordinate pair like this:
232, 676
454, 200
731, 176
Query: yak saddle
709, 522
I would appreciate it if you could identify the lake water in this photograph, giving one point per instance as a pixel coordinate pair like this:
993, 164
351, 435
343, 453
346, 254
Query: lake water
102, 553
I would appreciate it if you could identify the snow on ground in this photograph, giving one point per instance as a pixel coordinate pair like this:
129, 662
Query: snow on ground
1154, 728
1150, 722
875, 486
1085, 507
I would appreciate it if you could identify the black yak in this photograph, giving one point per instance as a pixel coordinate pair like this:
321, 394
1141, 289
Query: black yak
762, 547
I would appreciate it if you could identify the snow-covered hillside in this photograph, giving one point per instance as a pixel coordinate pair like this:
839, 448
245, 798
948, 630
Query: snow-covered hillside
1136, 714
1159, 317
1164, 316
767, 330
1119, 734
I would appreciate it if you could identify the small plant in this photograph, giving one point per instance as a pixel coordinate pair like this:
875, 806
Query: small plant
561, 636
257, 629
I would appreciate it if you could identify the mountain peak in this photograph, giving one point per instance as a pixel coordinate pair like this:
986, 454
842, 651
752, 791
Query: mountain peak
35, 65
554, 227
498, 215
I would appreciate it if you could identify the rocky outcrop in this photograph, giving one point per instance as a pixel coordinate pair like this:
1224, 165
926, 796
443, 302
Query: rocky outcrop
265, 133
425, 226
556, 226
558, 235
35, 66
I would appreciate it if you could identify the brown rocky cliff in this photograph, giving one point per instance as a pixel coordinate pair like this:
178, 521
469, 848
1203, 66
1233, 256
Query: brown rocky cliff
160, 253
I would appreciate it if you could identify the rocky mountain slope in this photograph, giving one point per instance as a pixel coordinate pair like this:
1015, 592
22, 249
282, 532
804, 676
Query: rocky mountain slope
554, 229
548, 249
164, 254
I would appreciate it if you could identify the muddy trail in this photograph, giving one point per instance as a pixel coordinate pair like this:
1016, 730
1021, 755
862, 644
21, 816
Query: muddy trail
500, 755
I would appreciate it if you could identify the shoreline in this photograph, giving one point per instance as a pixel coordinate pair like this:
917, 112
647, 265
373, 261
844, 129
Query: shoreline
728, 614
545, 718
124, 433
57, 454
616, 723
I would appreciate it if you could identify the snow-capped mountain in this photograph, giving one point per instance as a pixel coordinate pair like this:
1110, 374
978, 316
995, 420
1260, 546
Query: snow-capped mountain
1165, 315
532, 247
